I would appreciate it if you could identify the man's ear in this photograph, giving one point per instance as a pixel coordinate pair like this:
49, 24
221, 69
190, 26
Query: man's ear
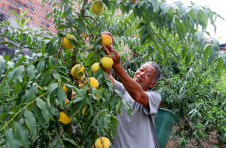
153, 84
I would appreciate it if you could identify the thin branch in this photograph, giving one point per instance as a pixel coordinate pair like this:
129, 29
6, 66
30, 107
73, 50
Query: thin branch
83, 5
161, 42
67, 58
40, 59
88, 49
101, 141
11, 100
40, 87
20, 111
92, 19
167, 84
59, 52
60, 140
66, 63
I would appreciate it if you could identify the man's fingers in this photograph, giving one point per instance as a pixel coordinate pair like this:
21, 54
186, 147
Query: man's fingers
106, 33
106, 50
116, 53
110, 47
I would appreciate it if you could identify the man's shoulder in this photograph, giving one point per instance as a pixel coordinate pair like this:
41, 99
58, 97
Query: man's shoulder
154, 94
119, 86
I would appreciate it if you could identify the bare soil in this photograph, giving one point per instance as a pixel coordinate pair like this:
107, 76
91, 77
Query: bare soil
211, 143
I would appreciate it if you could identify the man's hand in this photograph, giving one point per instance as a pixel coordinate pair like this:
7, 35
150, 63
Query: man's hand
115, 56
108, 49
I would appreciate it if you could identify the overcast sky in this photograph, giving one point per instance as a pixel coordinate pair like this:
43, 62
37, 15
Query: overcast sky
218, 6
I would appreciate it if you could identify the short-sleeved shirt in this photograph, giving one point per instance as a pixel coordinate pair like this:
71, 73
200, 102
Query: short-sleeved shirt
136, 132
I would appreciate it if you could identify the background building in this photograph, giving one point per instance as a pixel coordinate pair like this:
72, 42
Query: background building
37, 15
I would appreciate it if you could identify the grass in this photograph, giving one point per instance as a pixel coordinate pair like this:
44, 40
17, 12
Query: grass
222, 86
4, 94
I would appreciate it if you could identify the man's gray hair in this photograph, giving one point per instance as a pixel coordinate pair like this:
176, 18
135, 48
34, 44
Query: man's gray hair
159, 72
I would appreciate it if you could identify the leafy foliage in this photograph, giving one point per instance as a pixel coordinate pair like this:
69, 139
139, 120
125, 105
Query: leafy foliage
166, 32
199, 105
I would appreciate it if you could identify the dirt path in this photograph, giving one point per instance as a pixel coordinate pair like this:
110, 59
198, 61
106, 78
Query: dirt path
211, 143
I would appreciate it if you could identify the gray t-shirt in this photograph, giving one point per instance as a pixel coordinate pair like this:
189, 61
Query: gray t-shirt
136, 132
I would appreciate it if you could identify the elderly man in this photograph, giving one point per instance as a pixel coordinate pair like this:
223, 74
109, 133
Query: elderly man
136, 131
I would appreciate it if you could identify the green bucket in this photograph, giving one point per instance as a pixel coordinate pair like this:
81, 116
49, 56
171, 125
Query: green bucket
164, 121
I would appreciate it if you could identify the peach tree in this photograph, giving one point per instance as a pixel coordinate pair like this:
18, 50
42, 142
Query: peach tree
155, 30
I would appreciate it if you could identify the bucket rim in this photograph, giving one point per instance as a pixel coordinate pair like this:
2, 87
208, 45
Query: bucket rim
166, 110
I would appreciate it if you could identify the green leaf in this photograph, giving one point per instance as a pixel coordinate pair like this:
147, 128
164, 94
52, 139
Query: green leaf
207, 53
10, 139
21, 134
61, 97
188, 59
27, 20
76, 99
127, 107
150, 10
107, 120
78, 91
38, 115
100, 124
178, 47
29, 95
141, 24
199, 35
31, 71
215, 51
41, 65
119, 93
10, 64
7, 57
53, 144
95, 119
178, 26
166, 9
18, 74
51, 60
143, 37
51, 88
56, 75
72, 21
181, 28
184, 29
223, 55
82, 25
2, 65
44, 108
220, 65
46, 80
91, 54
77, 106
31, 123
202, 45
114, 120
72, 141
216, 43
184, 52
2, 115
15, 14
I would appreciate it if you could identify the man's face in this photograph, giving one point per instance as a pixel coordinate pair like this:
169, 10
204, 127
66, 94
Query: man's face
145, 76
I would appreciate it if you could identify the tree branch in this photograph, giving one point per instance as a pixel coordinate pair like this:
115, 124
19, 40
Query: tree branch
101, 141
167, 84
